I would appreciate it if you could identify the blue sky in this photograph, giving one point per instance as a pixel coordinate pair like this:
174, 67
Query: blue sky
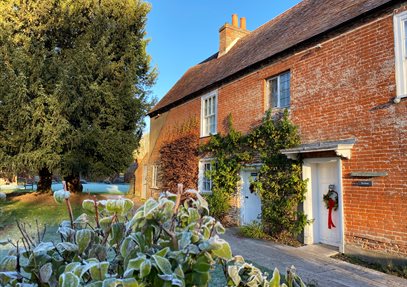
185, 32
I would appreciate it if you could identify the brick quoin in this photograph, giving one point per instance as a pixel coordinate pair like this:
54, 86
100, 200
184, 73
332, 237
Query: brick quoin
342, 86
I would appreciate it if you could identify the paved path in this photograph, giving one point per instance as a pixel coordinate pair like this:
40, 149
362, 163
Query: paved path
313, 263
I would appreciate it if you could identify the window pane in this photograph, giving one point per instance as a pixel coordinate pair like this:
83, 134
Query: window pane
274, 92
405, 39
285, 90
212, 124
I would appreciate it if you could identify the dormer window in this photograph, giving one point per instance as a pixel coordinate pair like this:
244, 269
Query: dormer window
209, 107
400, 42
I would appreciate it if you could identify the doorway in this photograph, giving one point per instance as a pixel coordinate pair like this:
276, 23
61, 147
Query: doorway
323, 174
250, 202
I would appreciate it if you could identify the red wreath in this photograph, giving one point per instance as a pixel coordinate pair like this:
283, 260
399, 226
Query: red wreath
331, 203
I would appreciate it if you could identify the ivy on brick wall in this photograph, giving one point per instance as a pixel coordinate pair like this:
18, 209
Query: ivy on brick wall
179, 157
279, 184
229, 157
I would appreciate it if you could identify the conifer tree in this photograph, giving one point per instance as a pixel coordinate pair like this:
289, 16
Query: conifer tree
74, 83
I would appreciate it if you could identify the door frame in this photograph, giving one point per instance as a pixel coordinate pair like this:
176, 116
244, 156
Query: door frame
308, 167
247, 168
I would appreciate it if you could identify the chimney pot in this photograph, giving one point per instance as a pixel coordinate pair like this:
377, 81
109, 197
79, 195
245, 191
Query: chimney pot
234, 20
243, 23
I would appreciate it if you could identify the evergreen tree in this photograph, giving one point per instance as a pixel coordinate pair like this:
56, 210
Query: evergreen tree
74, 82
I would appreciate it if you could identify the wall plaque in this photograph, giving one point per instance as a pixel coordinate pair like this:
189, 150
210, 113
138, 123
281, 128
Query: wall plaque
363, 183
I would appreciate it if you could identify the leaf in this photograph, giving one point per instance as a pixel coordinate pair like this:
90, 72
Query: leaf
185, 240
118, 230
193, 215
233, 272
145, 268
127, 245
219, 228
105, 222
201, 265
127, 205
134, 264
139, 214
275, 280
61, 195
68, 280
46, 272
224, 251
8, 263
163, 264
6, 277
4, 242
149, 208
83, 238
82, 220
88, 205
72, 266
67, 246
163, 252
44, 247
98, 271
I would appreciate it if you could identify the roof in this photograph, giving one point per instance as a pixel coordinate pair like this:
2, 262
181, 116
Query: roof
304, 21
341, 148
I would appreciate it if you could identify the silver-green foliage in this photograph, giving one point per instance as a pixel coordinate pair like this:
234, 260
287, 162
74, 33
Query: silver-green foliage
171, 241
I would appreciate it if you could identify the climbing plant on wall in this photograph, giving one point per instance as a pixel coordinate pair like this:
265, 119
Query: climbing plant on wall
279, 184
179, 156
229, 156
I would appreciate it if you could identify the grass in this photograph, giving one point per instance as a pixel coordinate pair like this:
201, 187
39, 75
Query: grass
31, 208
400, 271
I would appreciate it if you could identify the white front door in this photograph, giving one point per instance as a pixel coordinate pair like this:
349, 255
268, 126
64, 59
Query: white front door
251, 203
327, 174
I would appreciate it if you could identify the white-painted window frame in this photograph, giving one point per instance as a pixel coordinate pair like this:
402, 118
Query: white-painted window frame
202, 179
400, 49
269, 92
208, 112
154, 176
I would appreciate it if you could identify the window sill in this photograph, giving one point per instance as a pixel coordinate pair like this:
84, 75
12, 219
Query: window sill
205, 192
207, 136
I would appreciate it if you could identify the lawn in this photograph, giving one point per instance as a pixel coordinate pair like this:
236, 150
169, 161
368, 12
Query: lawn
90, 187
32, 207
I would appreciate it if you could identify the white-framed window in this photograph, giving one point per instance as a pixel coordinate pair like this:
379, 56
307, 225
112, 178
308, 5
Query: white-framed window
209, 110
400, 48
279, 91
204, 182
154, 176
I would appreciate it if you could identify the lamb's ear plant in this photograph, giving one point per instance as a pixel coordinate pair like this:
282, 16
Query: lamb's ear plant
171, 241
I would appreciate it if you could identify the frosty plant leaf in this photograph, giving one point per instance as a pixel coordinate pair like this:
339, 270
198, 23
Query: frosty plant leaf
61, 195
69, 280
83, 238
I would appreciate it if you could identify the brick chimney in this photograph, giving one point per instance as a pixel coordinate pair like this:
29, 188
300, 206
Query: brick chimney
229, 34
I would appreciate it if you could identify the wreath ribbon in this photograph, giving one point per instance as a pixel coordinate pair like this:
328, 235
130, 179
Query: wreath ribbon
331, 205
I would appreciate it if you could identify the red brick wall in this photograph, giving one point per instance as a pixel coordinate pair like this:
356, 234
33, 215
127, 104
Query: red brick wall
342, 89
163, 129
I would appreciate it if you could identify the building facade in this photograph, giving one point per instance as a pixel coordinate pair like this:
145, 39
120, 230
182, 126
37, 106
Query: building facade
340, 68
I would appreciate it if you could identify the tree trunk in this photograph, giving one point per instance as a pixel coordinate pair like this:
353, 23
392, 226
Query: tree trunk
73, 183
44, 184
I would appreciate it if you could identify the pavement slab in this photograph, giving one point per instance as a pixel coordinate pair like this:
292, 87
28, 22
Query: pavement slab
312, 262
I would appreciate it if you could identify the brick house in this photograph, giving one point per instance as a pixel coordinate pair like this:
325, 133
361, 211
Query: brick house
340, 67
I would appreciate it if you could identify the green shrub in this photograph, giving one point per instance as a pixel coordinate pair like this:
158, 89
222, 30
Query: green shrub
253, 230
171, 241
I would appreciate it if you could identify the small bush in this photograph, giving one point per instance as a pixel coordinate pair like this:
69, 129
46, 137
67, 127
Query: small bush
171, 241
253, 230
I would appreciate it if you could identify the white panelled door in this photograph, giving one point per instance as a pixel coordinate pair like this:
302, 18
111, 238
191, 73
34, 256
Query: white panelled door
251, 203
327, 174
